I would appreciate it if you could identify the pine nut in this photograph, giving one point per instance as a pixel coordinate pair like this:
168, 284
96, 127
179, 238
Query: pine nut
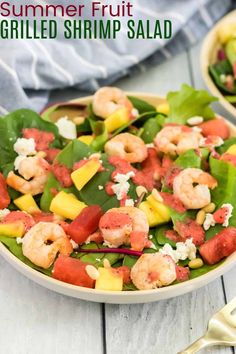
201, 215
41, 154
106, 263
78, 120
195, 120
209, 208
196, 263
157, 195
140, 190
92, 272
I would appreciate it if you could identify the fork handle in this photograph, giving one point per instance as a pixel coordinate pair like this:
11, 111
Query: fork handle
196, 346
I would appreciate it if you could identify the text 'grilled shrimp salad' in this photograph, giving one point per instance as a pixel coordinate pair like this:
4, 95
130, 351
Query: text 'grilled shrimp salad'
119, 194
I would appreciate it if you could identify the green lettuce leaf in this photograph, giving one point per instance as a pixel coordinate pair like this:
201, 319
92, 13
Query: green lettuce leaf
11, 127
188, 159
141, 106
189, 102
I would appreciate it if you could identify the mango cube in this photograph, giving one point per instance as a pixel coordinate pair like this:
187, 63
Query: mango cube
163, 108
160, 208
83, 175
108, 280
226, 32
232, 150
153, 217
16, 229
27, 203
86, 139
117, 119
66, 205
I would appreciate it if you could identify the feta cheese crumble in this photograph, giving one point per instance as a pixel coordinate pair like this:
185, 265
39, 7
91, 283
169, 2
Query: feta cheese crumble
229, 214
67, 129
129, 202
100, 187
24, 147
183, 250
74, 244
3, 213
151, 145
19, 240
135, 112
209, 221
122, 185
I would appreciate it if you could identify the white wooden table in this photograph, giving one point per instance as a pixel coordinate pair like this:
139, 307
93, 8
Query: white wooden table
34, 320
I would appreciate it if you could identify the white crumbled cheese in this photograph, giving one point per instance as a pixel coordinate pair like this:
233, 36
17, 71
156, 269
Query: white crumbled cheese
24, 147
229, 214
223, 78
98, 259
135, 112
3, 213
183, 250
151, 145
150, 237
67, 129
19, 240
197, 129
74, 244
18, 160
209, 221
195, 120
129, 202
100, 187
122, 185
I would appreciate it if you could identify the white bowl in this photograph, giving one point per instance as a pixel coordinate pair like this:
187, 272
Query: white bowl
120, 297
208, 56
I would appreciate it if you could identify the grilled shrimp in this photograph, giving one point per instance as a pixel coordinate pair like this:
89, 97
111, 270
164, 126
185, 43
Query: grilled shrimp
177, 139
34, 171
36, 244
124, 225
127, 146
192, 185
153, 271
108, 99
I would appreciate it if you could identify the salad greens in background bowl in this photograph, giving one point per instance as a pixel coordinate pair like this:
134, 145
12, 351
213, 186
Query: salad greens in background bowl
187, 109
218, 61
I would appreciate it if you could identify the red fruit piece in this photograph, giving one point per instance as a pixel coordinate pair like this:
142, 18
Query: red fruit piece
190, 229
124, 271
4, 196
62, 174
229, 158
220, 246
170, 176
182, 273
215, 127
42, 139
72, 271
51, 154
16, 216
173, 202
173, 236
220, 215
85, 223
44, 217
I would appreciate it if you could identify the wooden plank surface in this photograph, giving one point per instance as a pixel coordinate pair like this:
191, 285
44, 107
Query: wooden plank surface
35, 320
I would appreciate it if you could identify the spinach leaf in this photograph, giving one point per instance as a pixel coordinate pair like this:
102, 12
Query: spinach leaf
11, 244
161, 237
129, 261
11, 127
141, 106
227, 143
101, 135
194, 273
189, 102
150, 129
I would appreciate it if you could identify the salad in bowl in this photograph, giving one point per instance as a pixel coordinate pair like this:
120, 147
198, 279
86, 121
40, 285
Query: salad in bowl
118, 194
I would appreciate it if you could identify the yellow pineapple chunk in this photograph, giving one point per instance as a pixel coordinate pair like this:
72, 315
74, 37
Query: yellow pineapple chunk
108, 280
16, 229
66, 205
226, 32
153, 217
27, 203
163, 108
83, 175
159, 207
232, 150
86, 139
117, 119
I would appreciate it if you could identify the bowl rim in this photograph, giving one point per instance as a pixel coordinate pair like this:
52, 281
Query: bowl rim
206, 49
119, 297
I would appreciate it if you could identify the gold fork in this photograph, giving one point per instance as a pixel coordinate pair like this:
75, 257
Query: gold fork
221, 330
